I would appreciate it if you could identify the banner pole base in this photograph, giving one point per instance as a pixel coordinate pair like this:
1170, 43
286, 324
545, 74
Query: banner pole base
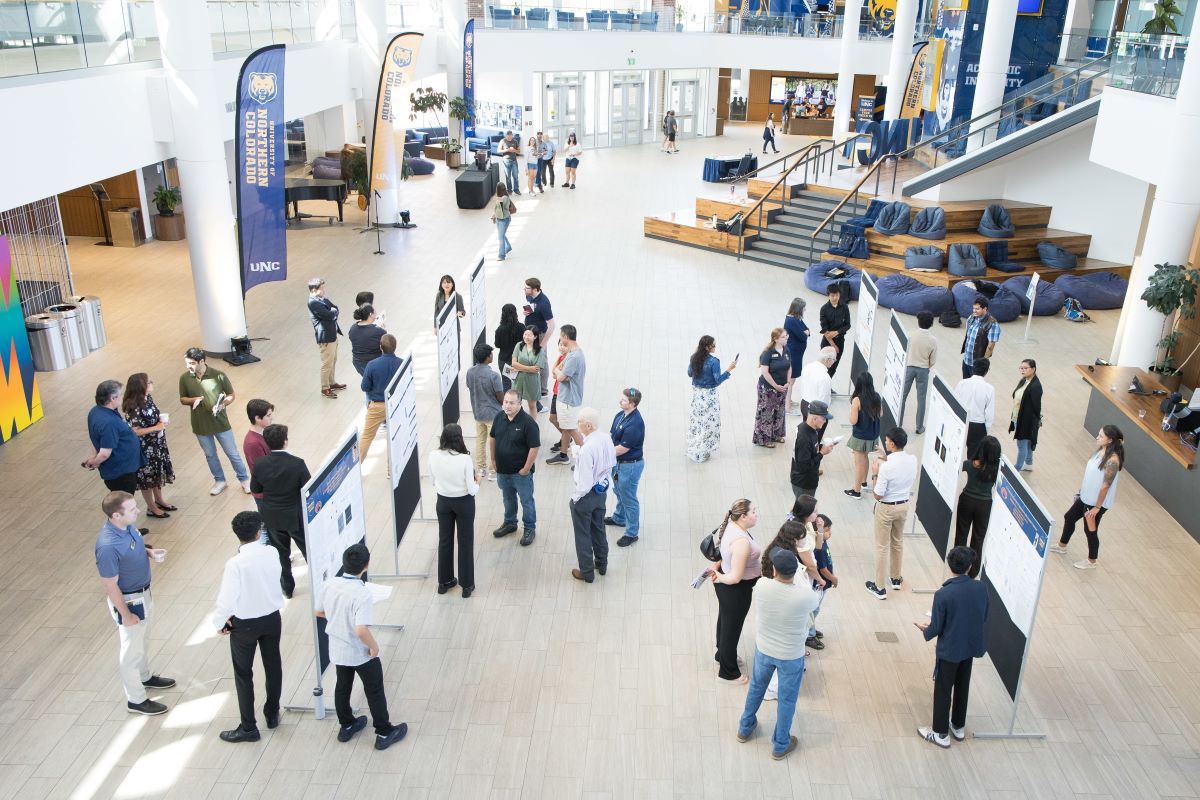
395, 576
1008, 736
318, 706
387, 626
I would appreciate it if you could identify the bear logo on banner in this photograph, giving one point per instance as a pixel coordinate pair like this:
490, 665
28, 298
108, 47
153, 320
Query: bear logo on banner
402, 56
263, 87
883, 15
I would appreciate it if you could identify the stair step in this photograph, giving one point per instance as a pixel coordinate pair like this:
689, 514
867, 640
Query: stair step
800, 265
783, 250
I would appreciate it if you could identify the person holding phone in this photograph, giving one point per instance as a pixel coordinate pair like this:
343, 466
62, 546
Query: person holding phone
809, 450
704, 420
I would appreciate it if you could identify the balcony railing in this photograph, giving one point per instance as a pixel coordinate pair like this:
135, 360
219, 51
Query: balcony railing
238, 25
1147, 63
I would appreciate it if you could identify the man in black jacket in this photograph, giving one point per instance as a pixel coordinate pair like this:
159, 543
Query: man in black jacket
960, 610
806, 462
835, 322
324, 315
280, 476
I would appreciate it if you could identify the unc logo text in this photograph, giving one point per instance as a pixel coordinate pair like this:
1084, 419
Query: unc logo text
263, 86
264, 266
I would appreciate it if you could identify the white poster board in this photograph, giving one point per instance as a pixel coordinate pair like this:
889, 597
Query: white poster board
447, 346
333, 512
945, 437
478, 306
1014, 551
1031, 290
864, 326
893, 367
400, 398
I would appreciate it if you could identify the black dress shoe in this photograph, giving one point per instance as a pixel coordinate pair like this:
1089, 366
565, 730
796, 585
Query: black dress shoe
625, 541
346, 732
504, 530
158, 682
602, 570
527, 537
383, 742
445, 587
611, 521
467, 591
272, 720
238, 735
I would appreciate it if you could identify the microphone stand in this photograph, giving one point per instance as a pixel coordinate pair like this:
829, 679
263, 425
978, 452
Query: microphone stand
378, 245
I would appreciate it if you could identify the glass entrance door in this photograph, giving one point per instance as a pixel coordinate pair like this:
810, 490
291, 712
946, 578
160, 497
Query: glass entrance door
562, 102
684, 99
626, 112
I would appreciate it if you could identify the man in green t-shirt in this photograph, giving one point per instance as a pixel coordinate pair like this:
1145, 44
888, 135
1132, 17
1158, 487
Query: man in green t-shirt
208, 392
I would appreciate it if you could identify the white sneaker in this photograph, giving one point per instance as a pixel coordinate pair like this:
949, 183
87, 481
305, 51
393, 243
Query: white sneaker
491, 476
959, 734
1027, 468
928, 735
1085, 564
245, 486
217, 488
1057, 548
770, 695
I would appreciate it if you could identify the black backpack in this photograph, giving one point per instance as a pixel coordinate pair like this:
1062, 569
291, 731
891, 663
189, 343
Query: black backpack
709, 548
950, 319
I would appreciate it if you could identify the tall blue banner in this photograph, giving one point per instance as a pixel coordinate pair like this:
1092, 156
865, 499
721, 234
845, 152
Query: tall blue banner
469, 78
261, 148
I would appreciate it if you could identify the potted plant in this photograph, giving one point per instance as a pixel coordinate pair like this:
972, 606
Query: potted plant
354, 164
453, 154
1171, 291
166, 199
680, 15
1163, 21
460, 110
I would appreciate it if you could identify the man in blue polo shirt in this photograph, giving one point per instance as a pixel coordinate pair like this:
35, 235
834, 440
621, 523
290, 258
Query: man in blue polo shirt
376, 377
628, 432
539, 314
116, 451
123, 561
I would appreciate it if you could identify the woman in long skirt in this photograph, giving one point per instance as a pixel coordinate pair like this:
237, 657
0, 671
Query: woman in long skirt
776, 369
704, 421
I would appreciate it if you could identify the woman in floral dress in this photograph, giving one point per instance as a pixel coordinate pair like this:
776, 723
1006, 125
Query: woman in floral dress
704, 421
150, 425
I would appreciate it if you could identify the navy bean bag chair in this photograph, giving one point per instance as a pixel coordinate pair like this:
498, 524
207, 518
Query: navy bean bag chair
1094, 290
893, 219
966, 261
996, 223
1004, 305
817, 277
869, 218
928, 258
929, 223
1050, 298
419, 166
1055, 257
909, 296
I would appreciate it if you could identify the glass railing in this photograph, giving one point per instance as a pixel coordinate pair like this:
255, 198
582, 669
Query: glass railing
75, 34
419, 14
1148, 63
238, 25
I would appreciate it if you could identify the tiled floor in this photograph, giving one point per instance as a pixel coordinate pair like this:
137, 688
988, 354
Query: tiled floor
539, 686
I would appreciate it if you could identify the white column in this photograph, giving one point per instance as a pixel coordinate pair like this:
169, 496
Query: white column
901, 62
992, 78
843, 108
197, 113
1075, 28
1172, 222
370, 17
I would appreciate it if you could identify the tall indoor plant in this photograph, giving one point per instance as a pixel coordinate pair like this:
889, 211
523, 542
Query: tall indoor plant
1171, 291
429, 100
1163, 21
354, 165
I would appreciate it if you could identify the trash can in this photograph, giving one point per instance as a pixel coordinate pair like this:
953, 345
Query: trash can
75, 336
48, 342
93, 323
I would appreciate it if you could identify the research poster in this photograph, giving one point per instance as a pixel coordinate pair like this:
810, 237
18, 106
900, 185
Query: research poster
864, 331
401, 401
945, 437
333, 512
893, 367
447, 346
1014, 552
478, 306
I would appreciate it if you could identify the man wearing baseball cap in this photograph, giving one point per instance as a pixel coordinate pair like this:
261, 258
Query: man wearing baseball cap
806, 461
324, 316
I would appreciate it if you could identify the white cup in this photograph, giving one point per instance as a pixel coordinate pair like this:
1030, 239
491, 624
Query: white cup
159, 555
165, 417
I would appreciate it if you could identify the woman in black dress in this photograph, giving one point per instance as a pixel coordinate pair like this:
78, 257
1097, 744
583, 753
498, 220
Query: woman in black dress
150, 425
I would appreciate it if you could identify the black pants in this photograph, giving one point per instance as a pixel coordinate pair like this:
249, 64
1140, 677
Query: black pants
282, 540
591, 543
371, 674
544, 168
733, 604
1073, 515
840, 343
973, 515
975, 433
968, 369
456, 512
122, 483
248, 635
950, 678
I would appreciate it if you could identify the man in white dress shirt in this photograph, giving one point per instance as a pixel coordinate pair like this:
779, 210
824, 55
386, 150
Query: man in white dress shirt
816, 386
248, 613
979, 399
893, 476
593, 476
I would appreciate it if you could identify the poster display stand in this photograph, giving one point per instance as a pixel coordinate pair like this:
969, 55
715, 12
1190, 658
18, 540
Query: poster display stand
864, 327
448, 360
894, 360
478, 306
400, 401
1014, 567
941, 463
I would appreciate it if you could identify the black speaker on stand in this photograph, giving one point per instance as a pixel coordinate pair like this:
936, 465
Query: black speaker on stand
101, 196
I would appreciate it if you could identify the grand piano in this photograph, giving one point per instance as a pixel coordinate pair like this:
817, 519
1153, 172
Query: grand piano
297, 189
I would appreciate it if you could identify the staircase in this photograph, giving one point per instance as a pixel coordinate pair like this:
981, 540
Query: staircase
787, 240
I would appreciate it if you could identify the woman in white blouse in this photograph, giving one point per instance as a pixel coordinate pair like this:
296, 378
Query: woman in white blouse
453, 479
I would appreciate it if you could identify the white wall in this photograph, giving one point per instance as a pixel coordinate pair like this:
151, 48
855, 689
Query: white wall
1086, 197
1127, 128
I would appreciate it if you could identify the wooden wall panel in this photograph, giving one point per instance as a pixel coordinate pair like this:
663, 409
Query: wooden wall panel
80, 215
759, 92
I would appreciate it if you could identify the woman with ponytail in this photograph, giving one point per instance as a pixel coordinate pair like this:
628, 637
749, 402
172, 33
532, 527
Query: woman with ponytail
1096, 494
741, 566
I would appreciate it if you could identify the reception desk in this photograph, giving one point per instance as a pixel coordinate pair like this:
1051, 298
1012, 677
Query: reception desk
1161, 463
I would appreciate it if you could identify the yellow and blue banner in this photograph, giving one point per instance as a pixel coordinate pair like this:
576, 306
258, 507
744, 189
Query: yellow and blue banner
387, 138
261, 148
469, 78
20, 401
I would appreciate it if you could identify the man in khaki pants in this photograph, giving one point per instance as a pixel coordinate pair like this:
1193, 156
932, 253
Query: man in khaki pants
376, 377
487, 393
324, 315
894, 473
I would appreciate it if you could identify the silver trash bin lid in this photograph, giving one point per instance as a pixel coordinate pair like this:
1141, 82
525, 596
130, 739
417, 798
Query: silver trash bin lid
39, 322
63, 308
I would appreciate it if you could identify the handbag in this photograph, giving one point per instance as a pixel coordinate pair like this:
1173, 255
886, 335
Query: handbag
709, 548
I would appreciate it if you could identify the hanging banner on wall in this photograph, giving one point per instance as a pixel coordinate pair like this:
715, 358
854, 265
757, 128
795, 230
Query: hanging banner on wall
914, 89
20, 400
469, 77
260, 144
387, 134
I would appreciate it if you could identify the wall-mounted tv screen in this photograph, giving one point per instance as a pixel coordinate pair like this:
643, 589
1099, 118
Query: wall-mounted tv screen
803, 89
1030, 8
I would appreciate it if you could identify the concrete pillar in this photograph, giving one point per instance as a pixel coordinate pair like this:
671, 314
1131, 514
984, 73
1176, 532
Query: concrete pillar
843, 109
197, 113
992, 78
901, 61
1173, 217
1075, 29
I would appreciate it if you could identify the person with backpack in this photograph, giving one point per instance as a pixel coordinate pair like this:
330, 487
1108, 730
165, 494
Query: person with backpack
502, 215
733, 580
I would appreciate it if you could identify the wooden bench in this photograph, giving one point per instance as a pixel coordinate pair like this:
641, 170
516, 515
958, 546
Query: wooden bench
685, 227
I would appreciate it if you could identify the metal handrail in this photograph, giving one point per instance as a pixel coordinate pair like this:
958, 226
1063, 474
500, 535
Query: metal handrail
733, 179
758, 205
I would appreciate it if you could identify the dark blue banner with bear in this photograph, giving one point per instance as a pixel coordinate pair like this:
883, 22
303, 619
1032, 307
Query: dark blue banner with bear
261, 149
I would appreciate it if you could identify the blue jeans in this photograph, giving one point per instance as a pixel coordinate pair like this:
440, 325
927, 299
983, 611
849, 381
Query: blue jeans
791, 672
502, 232
625, 484
511, 182
511, 487
1024, 454
209, 445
